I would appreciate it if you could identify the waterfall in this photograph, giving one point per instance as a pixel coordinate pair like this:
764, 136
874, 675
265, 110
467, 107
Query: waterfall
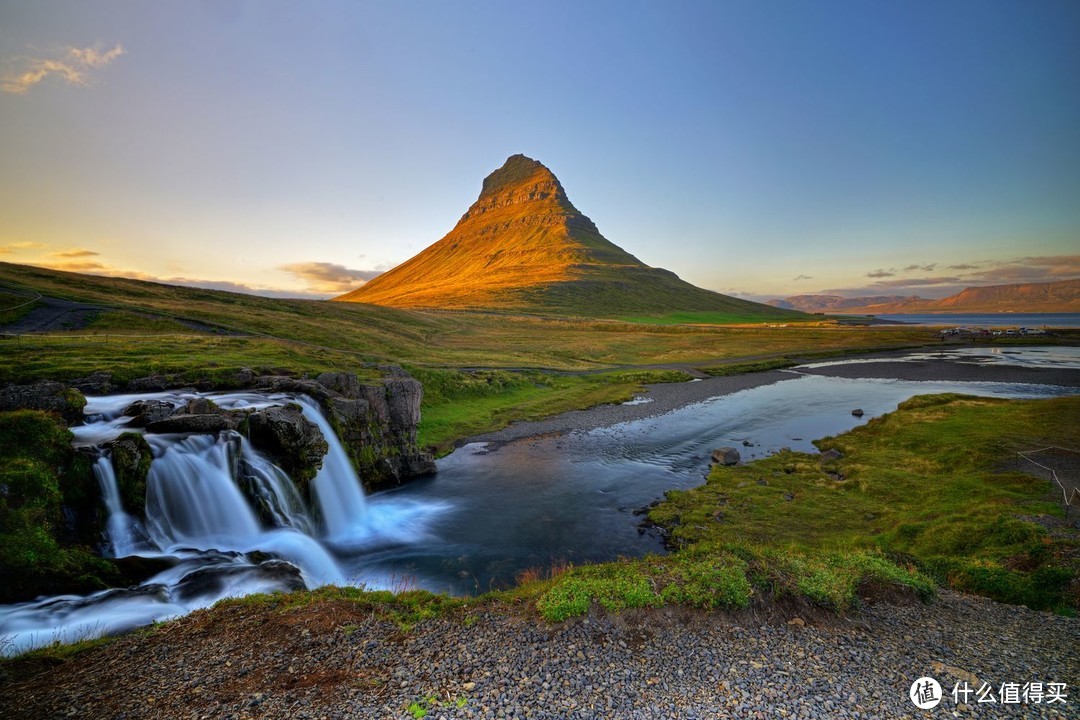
122, 529
274, 491
337, 487
216, 508
192, 500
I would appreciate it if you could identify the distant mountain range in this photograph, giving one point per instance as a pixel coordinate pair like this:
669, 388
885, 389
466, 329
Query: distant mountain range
523, 246
1061, 296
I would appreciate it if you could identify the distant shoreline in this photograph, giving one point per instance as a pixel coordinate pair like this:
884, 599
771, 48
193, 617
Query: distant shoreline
1055, 320
667, 397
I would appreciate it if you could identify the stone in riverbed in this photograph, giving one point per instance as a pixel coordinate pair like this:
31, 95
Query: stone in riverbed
857, 412
185, 422
145, 412
295, 443
726, 456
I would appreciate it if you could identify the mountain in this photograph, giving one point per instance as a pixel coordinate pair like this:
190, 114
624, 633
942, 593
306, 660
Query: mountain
524, 246
1060, 296
833, 303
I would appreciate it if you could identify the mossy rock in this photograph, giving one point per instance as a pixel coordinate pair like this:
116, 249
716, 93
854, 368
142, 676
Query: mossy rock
131, 457
295, 443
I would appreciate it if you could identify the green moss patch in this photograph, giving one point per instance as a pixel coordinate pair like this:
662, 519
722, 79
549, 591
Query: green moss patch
923, 485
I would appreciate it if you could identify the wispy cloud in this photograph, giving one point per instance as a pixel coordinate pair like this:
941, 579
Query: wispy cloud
93, 267
802, 277
323, 277
74, 253
974, 273
78, 266
1030, 269
22, 245
72, 66
917, 282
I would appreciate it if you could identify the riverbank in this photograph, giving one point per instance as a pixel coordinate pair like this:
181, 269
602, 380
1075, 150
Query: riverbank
333, 659
666, 397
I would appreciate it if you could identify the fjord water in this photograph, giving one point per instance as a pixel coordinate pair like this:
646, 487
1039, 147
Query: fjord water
487, 515
988, 320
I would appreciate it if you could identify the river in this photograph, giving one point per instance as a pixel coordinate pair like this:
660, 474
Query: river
489, 514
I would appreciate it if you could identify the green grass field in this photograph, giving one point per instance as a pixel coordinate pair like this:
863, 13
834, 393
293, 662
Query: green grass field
931, 484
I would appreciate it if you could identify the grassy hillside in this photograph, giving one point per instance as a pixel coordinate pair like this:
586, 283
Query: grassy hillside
306, 334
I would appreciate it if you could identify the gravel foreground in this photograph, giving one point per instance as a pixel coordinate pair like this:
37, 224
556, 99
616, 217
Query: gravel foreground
334, 660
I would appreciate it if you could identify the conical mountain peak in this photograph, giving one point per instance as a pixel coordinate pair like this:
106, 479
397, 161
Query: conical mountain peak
517, 170
523, 245
521, 180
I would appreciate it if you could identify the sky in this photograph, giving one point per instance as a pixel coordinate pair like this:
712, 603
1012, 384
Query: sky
763, 149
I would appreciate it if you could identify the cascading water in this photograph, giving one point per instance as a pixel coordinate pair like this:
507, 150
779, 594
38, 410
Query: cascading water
274, 492
124, 535
217, 509
192, 500
487, 517
337, 486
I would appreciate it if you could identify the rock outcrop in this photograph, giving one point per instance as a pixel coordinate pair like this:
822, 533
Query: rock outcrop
295, 443
46, 395
131, 457
376, 421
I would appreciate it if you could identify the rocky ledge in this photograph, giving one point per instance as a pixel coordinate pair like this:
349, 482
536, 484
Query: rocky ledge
376, 422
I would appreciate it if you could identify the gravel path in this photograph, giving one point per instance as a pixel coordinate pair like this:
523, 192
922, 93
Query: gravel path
331, 660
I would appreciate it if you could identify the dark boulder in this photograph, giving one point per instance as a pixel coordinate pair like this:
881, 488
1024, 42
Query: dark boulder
146, 412
857, 412
201, 406
725, 456
99, 383
295, 443
131, 457
193, 423
46, 395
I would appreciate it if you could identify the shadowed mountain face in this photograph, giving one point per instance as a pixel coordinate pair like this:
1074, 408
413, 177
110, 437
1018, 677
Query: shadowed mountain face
524, 246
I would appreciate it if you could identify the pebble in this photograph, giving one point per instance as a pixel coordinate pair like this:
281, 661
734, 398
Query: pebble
507, 663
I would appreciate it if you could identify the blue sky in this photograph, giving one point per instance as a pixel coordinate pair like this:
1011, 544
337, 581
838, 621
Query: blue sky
759, 148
